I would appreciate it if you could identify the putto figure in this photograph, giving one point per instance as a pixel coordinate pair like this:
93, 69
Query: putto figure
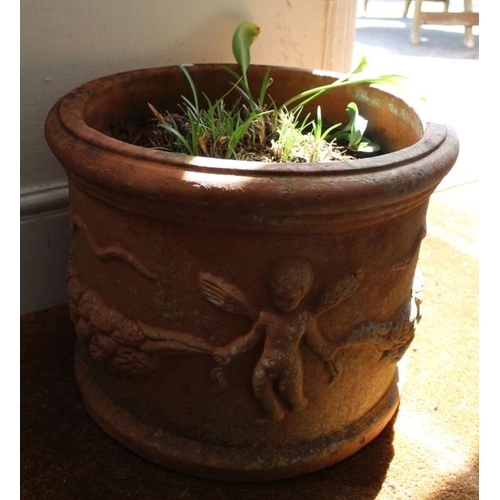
283, 327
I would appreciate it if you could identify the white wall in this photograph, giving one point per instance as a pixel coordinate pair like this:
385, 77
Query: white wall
66, 43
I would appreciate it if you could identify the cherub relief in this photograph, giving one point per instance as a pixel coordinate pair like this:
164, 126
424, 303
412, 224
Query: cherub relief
278, 375
287, 322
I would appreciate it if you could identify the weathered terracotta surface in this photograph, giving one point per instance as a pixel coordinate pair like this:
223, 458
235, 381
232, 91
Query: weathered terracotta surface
240, 320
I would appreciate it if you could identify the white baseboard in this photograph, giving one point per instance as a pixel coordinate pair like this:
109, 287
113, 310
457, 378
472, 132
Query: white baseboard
45, 239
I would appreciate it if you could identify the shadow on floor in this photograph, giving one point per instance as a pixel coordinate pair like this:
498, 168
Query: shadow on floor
65, 455
463, 485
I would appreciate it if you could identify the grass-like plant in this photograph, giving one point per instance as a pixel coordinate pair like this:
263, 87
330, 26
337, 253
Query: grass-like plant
256, 128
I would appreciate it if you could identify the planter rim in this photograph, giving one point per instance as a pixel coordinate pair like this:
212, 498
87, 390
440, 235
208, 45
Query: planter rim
69, 113
247, 196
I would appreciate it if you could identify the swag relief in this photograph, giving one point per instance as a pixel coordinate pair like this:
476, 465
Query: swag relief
279, 330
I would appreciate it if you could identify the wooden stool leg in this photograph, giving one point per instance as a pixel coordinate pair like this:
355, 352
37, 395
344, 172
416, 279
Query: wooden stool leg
407, 7
468, 36
415, 28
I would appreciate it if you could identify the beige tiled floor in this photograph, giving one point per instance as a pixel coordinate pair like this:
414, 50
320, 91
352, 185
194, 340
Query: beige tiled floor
444, 72
441, 70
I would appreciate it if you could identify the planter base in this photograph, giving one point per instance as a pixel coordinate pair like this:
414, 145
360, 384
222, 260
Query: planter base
231, 463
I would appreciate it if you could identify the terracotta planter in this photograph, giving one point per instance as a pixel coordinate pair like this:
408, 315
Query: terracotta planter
239, 320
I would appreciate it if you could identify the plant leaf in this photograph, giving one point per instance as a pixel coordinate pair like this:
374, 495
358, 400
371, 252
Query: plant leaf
367, 146
354, 131
357, 76
243, 37
357, 126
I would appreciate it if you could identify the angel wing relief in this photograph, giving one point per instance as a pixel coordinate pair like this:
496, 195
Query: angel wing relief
277, 379
224, 295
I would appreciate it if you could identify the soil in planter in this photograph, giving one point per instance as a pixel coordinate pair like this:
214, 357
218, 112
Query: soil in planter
150, 135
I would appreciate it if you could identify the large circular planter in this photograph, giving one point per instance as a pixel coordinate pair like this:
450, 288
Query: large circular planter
239, 320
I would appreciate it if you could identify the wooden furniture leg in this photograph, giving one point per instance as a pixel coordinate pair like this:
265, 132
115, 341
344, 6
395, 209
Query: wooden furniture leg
467, 19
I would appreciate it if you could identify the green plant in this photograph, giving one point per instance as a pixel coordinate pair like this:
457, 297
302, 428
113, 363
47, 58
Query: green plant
213, 130
353, 132
258, 128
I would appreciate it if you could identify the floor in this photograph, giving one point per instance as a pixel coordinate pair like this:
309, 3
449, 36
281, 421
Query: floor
444, 77
429, 451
